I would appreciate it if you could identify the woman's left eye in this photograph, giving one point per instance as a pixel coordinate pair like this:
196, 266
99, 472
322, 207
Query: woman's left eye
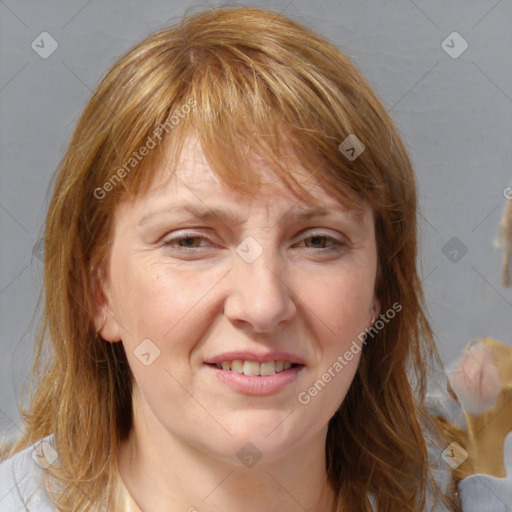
318, 241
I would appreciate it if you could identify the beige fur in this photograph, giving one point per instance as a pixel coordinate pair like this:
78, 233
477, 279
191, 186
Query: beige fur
489, 411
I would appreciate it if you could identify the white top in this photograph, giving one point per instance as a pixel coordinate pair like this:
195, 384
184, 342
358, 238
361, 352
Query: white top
21, 488
22, 484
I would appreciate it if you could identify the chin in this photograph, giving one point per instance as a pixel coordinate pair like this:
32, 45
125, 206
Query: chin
249, 445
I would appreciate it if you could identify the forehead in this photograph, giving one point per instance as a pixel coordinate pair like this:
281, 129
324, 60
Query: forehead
191, 175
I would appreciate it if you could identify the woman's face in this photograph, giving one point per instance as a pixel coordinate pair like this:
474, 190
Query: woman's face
201, 277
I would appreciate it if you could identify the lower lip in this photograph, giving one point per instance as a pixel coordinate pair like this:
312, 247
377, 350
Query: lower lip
256, 384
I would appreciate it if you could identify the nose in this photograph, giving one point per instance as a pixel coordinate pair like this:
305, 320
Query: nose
259, 297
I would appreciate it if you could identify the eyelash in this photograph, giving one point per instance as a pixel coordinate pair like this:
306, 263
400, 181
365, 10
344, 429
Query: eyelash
337, 245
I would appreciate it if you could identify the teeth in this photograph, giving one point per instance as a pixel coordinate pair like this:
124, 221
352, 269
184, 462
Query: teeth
251, 368
254, 368
237, 366
268, 368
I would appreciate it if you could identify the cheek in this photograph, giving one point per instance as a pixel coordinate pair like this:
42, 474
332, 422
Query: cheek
162, 304
160, 330
142, 299
342, 303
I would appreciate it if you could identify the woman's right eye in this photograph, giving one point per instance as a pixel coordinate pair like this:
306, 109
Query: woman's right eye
186, 242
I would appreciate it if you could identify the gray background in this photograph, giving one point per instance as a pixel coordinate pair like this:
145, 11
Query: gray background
455, 115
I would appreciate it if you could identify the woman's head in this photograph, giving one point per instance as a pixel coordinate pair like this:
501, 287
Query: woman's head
201, 275
244, 110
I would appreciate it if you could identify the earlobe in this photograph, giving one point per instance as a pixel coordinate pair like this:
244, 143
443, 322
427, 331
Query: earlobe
105, 324
98, 329
109, 329
375, 310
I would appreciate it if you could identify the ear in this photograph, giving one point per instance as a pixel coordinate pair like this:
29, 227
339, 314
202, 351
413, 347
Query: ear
103, 317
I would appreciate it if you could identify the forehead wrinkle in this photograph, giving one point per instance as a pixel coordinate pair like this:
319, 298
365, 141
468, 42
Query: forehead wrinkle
231, 217
192, 169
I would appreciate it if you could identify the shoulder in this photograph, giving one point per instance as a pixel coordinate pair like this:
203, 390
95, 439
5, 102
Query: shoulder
21, 479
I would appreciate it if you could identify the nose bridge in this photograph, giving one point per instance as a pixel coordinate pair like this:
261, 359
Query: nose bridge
259, 261
258, 294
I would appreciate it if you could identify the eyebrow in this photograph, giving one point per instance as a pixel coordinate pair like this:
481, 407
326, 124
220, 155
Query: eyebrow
230, 217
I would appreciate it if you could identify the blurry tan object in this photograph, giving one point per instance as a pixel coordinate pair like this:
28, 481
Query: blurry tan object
482, 382
507, 236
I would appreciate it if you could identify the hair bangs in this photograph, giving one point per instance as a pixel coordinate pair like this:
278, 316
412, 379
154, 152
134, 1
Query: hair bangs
243, 115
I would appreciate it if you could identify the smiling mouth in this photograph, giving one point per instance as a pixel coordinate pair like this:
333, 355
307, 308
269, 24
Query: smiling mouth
254, 368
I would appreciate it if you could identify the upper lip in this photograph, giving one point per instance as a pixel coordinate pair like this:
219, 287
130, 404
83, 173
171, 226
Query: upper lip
254, 356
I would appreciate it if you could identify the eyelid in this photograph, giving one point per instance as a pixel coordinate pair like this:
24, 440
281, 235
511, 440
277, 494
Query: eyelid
336, 242
185, 234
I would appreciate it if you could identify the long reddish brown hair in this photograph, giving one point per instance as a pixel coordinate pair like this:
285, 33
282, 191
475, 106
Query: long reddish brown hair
255, 82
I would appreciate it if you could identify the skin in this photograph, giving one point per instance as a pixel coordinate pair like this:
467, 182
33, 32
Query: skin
304, 294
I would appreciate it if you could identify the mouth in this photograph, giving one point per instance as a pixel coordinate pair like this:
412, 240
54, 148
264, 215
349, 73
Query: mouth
250, 377
255, 368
